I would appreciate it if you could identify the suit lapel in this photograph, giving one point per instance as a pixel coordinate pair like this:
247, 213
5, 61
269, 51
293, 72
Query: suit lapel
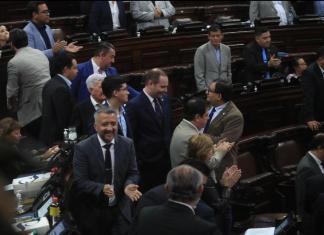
96, 148
149, 108
313, 164
318, 71
223, 113
38, 33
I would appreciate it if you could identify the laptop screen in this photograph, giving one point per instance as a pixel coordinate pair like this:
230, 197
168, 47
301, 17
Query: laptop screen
42, 211
58, 229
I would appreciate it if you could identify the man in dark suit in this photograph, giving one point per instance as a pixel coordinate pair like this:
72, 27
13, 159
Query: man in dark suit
177, 216
100, 63
107, 16
310, 165
149, 116
82, 117
312, 83
116, 92
57, 99
105, 171
260, 57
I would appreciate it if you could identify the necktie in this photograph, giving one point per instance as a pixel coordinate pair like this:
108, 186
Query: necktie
265, 60
210, 116
108, 166
158, 109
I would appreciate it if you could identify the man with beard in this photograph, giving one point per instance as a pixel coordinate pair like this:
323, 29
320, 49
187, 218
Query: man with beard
105, 171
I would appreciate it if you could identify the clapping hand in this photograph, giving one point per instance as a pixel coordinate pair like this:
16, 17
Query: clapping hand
4, 35
231, 176
132, 192
71, 47
108, 190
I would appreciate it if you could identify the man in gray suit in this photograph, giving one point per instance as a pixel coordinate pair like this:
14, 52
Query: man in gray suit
151, 13
105, 177
212, 60
310, 165
28, 71
225, 120
195, 118
282, 9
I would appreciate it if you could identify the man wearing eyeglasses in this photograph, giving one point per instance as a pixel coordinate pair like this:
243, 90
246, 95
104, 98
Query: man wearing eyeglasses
40, 35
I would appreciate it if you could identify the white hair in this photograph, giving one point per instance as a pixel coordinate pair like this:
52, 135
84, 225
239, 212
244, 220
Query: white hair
91, 80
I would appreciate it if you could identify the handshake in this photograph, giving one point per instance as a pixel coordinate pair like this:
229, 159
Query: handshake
4, 35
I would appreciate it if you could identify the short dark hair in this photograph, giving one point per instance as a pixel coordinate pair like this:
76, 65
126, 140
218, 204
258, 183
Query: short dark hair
111, 84
317, 142
193, 107
103, 47
61, 61
199, 165
154, 75
18, 38
260, 30
225, 90
320, 52
32, 7
214, 28
294, 62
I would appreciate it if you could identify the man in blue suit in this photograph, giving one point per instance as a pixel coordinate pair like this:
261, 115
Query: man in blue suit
149, 116
105, 178
40, 35
100, 63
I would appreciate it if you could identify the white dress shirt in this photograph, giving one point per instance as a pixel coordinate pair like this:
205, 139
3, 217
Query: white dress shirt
114, 14
96, 68
95, 104
150, 98
67, 81
318, 162
112, 200
184, 204
218, 109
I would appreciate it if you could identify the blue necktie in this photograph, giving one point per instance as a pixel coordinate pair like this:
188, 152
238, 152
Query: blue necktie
210, 116
265, 60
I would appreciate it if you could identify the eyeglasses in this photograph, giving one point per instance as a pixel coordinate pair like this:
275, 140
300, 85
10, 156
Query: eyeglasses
210, 91
45, 12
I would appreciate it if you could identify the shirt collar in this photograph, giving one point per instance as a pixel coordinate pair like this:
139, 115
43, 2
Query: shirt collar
103, 143
39, 27
184, 204
148, 96
67, 81
221, 106
94, 102
121, 108
322, 70
96, 68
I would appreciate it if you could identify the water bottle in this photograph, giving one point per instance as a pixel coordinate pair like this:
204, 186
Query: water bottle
72, 135
66, 135
54, 211
20, 206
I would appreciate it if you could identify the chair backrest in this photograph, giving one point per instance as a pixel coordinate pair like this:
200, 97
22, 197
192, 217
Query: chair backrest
288, 153
246, 162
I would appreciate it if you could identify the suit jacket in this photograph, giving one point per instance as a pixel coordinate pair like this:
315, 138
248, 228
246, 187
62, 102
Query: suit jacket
151, 138
179, 141
100, 19
143, 13
307, 167
312, 83
26, 80
227, 124
255, 68
35, 39
207, 67
262, 9
57, 109
89, 173
173, 218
